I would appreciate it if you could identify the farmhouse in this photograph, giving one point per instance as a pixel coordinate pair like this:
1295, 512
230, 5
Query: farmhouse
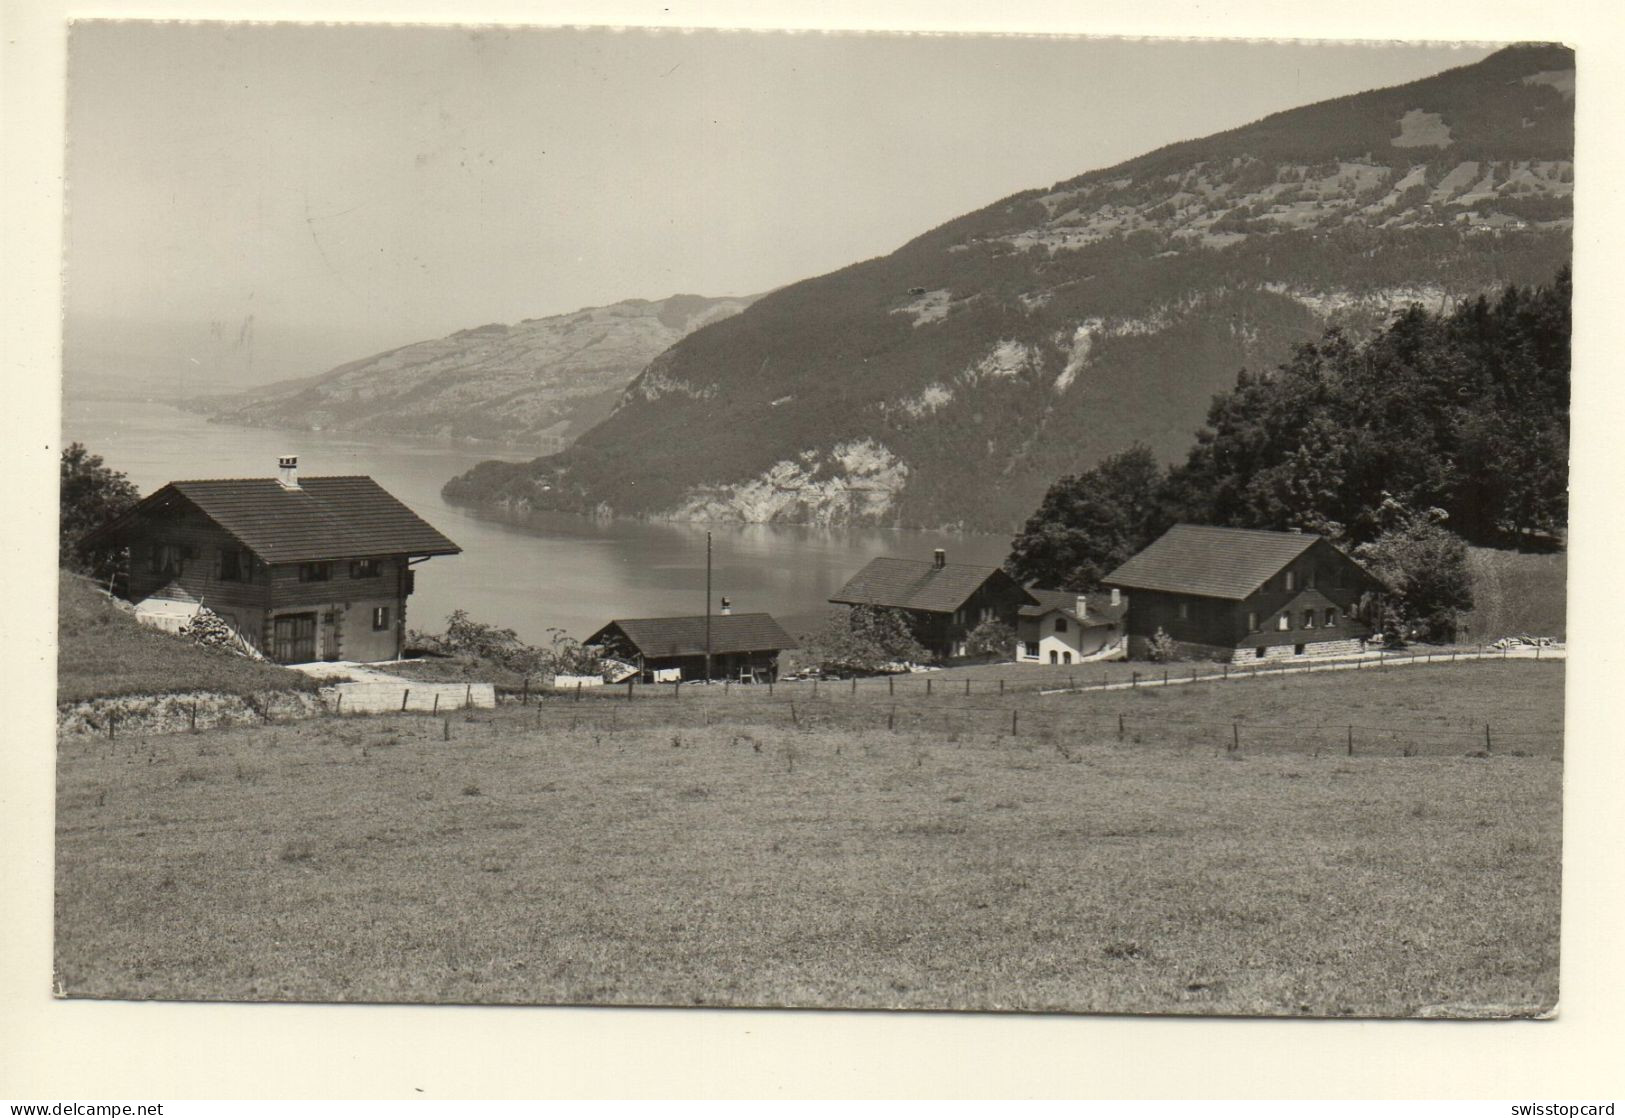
743, 646
302, 570
1067, 628
1245, 593
944, 601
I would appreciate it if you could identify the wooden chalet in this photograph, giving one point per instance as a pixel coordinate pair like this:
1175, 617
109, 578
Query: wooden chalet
302, 570
944, 601
1246, 594
743, 646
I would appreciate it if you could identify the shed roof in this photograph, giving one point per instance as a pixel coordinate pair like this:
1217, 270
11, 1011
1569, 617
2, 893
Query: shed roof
1211, 562
914, 584
685, 636
1066, 601
324, 518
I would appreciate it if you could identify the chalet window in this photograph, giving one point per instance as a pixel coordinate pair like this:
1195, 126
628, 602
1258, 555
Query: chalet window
1066, 657
234, 565
366, 568
1029, 649
1291, 580
987, 614
1184, 611
1308, 619
166, 559
1252, 621
1060, 624
1309, 579
380, 618
315, 572
1331, 618
1283, 623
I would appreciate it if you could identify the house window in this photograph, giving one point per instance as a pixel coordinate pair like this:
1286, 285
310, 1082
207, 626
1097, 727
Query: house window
1297, 650
380, 618
1308, 619
1029, 650
1291, 581
1184, 611
1331, 618
315, 572
1283, 623
1252, 621
1060, 624
166, 559
1066, 657
366, 568
1054, 656
987, 614
233, 565
1309, 579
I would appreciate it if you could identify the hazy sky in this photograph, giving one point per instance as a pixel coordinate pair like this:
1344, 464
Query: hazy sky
272, 200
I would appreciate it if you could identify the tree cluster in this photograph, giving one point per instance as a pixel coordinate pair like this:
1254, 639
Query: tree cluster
478, 641
864, 640
91, 497
1440, 430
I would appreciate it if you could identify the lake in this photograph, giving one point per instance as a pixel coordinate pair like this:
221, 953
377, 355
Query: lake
553, 570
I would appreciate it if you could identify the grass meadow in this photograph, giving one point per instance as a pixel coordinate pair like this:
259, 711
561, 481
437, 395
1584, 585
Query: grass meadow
711, 850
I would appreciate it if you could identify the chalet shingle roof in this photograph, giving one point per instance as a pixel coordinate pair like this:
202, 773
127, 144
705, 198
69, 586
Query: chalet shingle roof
1100, 605
324, 518
914, 584
1211, 562
685, 636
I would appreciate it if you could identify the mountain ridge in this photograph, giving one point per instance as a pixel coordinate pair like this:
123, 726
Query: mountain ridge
541, 380
947, 383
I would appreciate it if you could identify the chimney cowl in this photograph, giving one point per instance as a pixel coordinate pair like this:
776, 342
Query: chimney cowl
939, 558
288, 471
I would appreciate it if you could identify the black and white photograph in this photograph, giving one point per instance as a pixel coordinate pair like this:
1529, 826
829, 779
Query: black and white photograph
741, 519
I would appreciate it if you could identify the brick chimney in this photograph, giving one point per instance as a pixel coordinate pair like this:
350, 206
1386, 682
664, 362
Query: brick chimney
939, 558
288, 471
1117, 596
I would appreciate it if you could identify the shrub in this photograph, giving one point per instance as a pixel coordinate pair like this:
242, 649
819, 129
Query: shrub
864, 639
991, 638
1163, 649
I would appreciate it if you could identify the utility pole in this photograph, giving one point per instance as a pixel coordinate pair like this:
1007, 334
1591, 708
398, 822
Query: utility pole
708, 607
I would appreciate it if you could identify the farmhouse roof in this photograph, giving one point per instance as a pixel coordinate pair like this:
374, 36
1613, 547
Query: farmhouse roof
917, 584
1066, 601
1211, 562
685, 636
323, 518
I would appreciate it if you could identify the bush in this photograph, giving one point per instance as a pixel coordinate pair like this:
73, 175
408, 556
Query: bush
864, 639
991, 638
470, 640
1425, 568
1163, 649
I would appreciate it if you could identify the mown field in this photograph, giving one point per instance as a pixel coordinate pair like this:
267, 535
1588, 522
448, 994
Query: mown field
718, 853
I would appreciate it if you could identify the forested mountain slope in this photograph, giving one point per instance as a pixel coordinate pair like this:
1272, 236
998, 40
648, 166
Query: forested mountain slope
949, 383
542, 381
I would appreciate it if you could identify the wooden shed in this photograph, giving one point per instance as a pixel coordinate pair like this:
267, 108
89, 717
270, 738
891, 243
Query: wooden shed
743, 646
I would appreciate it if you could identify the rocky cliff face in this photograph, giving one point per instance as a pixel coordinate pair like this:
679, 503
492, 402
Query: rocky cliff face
949, 383
541, 382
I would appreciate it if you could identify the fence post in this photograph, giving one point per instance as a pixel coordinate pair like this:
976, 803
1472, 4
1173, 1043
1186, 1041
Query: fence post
1071, 681
793, 717
927, 685
854, 685
1119, 727
112, 721
1165, 677
578, 690
677, 691
1135, 682
967, 685
1001, 686
338, 707
1225, 670
815, 687
445, 729
727, 687
524, 693
1487, 746
1235, 736
192, 718
406, 694
770, 688
891, 685
436, 709
891, 718
1013, 716
1351, 741
468, 696
628, 690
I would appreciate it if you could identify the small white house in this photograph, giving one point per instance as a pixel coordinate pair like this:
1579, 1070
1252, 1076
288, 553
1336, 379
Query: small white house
1068, 628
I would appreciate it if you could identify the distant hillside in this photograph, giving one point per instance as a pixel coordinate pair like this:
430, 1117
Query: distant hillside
949, 383
542, 381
